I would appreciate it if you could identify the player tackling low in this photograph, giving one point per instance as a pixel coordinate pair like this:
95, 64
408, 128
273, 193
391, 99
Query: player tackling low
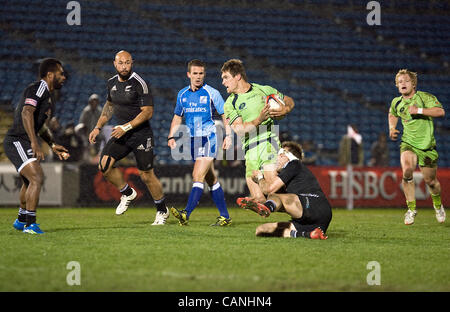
130, 100
303, 200
418, 145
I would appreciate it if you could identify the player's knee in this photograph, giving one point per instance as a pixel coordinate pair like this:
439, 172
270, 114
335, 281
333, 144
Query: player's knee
408, 174
147, 177
37, 179
105, 164
430, 181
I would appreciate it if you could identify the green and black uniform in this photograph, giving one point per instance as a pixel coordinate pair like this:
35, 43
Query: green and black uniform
418, 130
260, 147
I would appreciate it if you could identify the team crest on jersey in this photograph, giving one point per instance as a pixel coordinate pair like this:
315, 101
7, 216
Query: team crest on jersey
203, 99
242, 106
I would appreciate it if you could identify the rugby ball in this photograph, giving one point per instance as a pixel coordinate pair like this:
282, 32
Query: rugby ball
272, 101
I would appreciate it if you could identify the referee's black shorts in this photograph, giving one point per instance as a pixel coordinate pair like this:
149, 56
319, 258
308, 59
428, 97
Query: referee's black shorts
18, 151
316, 213
140, 142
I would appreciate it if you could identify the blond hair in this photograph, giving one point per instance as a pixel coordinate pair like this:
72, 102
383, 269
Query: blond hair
412, 76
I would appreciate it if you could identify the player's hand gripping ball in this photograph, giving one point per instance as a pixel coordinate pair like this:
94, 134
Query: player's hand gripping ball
274, 102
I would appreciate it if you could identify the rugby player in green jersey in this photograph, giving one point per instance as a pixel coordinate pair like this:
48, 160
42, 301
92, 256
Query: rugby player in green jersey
418, 145
253, 120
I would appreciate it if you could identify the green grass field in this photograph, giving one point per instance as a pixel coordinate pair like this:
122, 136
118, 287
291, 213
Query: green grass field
125, 253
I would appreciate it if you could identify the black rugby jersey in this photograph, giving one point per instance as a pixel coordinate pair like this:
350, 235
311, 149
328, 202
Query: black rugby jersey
128, 97
37, 95
299, 179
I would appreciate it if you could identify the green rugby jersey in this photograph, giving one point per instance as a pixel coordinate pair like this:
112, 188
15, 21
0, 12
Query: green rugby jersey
248, 106
418, 130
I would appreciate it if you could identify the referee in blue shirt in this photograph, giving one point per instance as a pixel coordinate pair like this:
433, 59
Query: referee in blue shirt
195, 103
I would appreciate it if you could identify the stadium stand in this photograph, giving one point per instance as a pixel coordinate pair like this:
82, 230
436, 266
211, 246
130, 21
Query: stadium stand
322, 53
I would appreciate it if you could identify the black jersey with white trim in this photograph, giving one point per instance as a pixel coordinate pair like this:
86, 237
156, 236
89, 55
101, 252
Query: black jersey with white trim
128, 97
37, 95
299, 179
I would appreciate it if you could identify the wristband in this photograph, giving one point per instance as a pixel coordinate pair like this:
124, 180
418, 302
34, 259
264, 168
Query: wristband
125, 128
420, 111
100, 129
168, 139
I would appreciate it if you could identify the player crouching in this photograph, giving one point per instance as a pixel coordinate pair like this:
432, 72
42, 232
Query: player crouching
304, 200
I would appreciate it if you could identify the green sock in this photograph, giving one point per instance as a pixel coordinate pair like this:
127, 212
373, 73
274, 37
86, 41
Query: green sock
411, 205
436, 201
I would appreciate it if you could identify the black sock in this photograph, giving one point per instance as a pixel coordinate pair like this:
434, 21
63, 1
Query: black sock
31, 217
161, 205
22, 217
127, 190
271, 205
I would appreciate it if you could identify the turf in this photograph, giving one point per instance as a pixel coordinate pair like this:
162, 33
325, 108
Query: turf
125, 253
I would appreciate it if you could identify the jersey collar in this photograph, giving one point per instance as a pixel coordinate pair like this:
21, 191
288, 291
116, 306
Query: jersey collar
45, 83
190, 89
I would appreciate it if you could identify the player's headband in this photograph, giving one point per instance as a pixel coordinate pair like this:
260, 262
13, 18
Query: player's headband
287, 153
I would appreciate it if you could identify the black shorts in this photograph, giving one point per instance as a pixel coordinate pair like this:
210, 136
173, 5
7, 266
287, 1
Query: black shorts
18, 151
139, 142
316, 213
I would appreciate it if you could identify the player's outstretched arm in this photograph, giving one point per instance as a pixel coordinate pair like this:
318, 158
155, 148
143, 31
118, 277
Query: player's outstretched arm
176, 122
393, 132
228, 132
106, 115
59, 150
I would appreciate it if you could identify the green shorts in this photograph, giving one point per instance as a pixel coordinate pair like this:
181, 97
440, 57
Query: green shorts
257, 156
427, 158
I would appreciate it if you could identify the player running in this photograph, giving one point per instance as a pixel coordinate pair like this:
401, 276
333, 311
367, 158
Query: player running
21, 143
195, 102
304, 199
418, 145
130, 99
250, 117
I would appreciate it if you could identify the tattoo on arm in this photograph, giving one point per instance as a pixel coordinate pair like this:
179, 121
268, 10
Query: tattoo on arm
107, 111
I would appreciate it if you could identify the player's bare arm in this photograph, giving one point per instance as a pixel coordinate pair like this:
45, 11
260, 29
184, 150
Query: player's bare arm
241, 127
106, 115
47, 136
28, 124
284, 109
176, 122
267, 187
430, 112
228, 132
393, 132
145, 114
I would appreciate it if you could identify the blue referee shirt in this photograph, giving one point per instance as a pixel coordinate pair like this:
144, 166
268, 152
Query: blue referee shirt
197, 108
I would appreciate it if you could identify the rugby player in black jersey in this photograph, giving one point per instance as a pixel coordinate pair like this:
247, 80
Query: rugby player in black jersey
130, 100
299, 195
21, 142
